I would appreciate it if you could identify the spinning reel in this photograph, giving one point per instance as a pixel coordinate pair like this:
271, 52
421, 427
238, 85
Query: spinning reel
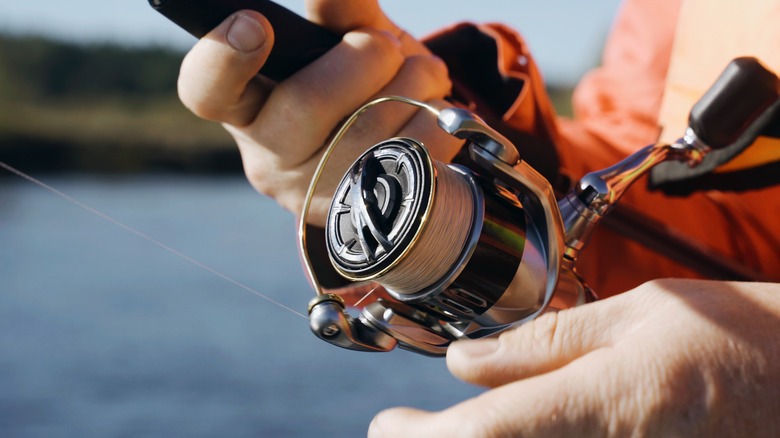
468, 252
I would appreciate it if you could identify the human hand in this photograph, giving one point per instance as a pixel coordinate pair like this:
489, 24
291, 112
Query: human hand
281, 128
670, 358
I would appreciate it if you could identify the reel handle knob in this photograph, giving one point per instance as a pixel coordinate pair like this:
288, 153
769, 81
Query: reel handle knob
738, 98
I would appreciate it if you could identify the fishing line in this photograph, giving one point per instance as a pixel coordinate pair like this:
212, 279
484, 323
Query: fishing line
357, 303
442, 239
144, 236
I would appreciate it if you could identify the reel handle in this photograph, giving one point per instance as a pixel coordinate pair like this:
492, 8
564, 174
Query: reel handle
734, 109
735, 102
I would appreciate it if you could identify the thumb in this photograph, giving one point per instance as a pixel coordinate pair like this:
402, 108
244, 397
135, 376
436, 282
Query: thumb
558, 404
218, 77
539, 346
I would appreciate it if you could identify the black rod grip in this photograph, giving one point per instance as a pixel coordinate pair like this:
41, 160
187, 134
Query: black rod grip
297, 42
741, 95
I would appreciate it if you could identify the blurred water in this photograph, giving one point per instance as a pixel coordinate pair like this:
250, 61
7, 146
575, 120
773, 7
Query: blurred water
104, 334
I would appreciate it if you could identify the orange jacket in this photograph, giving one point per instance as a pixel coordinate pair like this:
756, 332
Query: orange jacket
616, 111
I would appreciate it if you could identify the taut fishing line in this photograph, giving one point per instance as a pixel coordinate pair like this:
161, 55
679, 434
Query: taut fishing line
144, 236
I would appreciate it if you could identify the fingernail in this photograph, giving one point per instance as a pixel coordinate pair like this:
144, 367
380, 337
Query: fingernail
473, 349
245, 34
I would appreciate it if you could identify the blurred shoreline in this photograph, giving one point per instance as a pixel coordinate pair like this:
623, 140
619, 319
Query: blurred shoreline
106, 108
44, 156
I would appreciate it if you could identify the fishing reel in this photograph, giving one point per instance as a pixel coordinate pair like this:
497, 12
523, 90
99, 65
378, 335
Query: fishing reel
464, 253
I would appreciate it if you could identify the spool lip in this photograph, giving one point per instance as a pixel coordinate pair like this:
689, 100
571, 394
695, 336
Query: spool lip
380, 208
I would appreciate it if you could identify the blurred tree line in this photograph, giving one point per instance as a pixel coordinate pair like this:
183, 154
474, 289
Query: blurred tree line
108, 108
101, 107
37, 68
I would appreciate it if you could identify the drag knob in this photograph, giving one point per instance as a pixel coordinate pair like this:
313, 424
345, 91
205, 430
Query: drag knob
378, 208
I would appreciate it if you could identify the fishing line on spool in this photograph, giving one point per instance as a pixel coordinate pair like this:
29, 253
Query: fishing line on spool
440, 240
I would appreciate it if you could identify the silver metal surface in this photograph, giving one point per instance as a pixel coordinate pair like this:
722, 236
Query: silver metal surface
526, 295
693, 148
415, 330
538, 199
329, 321
430, 331
464, 124
303, 240
597, 193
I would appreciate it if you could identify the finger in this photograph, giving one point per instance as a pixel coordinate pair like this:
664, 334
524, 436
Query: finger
539, 346
423, 78
563, 403
304, 109
342, 16
218, 78
301, 112
407, 423
422, 127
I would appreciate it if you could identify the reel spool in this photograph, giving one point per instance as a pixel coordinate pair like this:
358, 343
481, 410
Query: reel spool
436, 237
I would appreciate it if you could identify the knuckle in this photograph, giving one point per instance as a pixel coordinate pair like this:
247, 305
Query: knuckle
260, 180
545, 331
376, 53
214, 86
430, 70
382, 45
203, 109
286, 190
258, 169
195, 100
261, 185
188, 95
291, 100
543, 336
292, 201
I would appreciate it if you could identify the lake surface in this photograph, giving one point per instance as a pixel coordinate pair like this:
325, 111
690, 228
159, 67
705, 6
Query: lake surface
103, 334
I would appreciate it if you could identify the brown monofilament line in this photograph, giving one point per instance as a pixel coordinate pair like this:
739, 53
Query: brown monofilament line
442, 238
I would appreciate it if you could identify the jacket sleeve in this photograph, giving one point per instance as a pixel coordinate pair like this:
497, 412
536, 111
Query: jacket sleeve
495, 76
